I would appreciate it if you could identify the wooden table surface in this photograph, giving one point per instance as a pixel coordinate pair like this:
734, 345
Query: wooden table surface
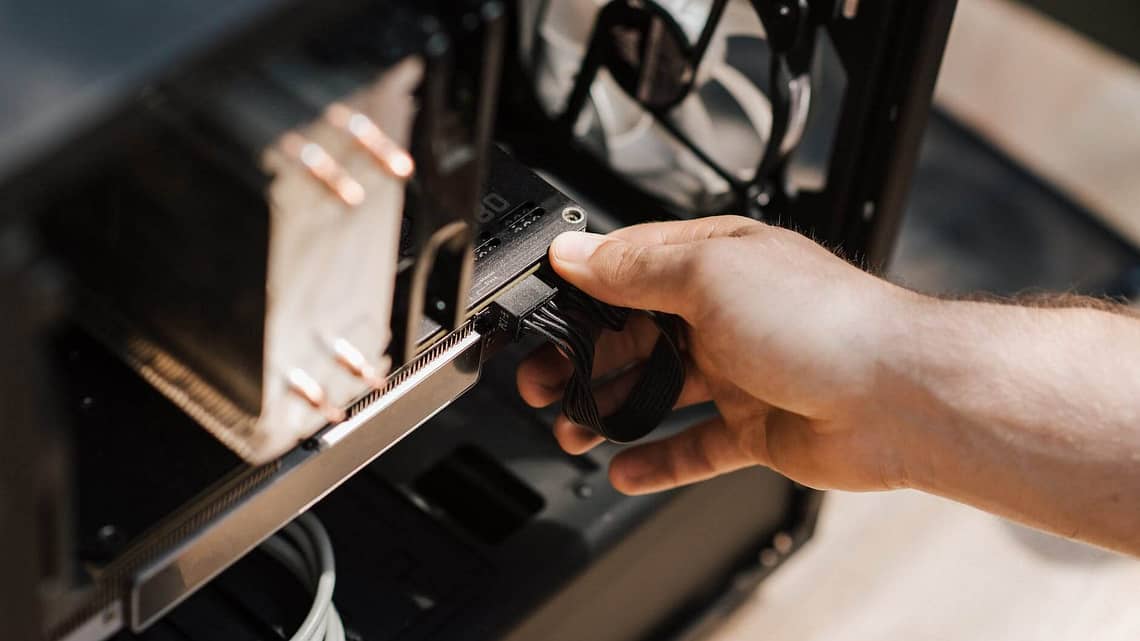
903, 566
1063, 106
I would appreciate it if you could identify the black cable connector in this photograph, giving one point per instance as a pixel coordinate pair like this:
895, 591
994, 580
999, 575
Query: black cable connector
519, 302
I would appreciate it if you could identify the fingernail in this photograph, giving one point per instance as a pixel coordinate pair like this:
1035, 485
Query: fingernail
575, 246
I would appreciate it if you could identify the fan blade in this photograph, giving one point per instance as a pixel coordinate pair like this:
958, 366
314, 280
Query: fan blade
617, 112
740, 19
573, 21
752, 101
693, 118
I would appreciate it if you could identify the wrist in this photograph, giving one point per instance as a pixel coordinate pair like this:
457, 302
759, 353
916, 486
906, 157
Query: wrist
947, 364
918, 352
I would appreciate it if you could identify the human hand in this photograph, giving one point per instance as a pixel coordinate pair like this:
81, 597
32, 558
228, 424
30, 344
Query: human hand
784, 337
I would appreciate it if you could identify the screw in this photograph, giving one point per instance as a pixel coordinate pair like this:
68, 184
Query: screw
583, 491
573, 215
868, 210
107, 533
87, 402
783, 542
109, 539
760, 195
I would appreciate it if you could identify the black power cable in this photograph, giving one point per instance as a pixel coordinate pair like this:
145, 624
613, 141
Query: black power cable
571, 321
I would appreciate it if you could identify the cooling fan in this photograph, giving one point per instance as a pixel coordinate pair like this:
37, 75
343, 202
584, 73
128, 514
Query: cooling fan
697, 102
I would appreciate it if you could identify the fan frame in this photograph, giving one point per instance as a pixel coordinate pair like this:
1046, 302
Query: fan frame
890, 51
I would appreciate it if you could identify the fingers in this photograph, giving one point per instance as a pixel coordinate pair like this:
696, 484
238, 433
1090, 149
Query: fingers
578, 439
699, 453
612, 394
573, 438
542, 375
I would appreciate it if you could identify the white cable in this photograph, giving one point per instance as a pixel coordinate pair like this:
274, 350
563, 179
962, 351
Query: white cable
304, 548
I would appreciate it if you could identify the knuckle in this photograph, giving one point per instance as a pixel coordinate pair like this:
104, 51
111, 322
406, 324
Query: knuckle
690, 280
734, 226
700, 455
751, 228
702, 265
784, 239
670, 470
628, 263
753, 442
687, 459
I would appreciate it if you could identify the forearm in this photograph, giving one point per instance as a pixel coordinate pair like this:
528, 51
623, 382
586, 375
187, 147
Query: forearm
1030, 413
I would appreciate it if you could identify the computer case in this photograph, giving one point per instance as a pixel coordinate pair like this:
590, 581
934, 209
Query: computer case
452, 512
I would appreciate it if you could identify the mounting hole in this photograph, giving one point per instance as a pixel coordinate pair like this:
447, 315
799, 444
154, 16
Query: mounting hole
573, 215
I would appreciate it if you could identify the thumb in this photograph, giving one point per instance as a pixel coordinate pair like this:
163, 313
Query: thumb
619, 272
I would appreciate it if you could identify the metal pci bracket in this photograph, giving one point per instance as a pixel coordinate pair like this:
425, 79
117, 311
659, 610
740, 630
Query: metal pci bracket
229, 523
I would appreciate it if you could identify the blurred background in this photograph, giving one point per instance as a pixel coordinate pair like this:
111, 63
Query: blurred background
1029, 180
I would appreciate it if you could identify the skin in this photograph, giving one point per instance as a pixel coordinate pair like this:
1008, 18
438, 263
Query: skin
841, 380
